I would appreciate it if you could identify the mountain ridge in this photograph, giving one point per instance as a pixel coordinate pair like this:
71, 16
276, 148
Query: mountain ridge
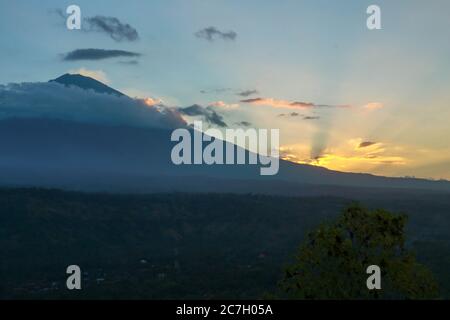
100, 157
87, 83
82, 156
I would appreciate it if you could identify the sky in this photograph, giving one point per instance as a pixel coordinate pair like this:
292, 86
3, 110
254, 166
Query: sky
343, 96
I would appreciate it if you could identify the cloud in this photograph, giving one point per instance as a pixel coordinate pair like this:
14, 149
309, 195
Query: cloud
241, 93
365, 144
295, 153
56, 101
247, 93
292, 114
129, 63
374, 106
319, 143
208, 114
311, 118
296, 114
212, 33
95, 74
152, 102
215, 91
275, 103
340, 157
278, 103
111, 26
223, 105
243, 123
97, 54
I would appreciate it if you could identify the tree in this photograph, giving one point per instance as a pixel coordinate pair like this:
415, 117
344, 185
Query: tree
332, 262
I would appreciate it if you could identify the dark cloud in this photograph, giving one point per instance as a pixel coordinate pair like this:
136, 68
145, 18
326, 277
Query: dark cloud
296, 114
98, 54
111, 26
311, 118
241, 93
252, 100
194, 110
215, 91
319, 143
247, 93
130, 63
365, 144
208, 114
390, 161
292, 114
278, 103
55, 101
243, 123
212, 33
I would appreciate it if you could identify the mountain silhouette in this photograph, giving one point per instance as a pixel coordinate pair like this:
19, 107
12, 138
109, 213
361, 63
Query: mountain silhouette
77, 155
86, 83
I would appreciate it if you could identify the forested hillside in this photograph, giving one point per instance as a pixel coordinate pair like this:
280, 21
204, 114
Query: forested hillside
180, 245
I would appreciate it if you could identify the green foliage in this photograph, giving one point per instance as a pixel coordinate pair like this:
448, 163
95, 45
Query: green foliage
332, 262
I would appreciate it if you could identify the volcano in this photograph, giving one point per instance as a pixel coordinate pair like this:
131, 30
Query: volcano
71, 153
86, 83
